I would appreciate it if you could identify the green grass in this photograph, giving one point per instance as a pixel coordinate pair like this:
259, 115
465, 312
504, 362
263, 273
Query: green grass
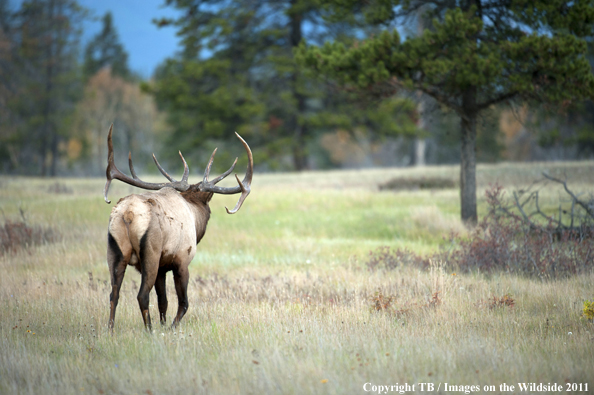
280, 297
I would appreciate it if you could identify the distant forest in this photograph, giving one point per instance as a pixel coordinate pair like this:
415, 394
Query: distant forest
310, 84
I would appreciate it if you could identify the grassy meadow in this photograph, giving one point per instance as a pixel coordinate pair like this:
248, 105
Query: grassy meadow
281, 301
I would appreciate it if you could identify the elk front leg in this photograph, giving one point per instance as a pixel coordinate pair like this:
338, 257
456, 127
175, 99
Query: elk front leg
161, 295
181, 277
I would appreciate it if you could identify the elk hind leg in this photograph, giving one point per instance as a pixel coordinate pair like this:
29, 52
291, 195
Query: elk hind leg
149, 268
117, 261
161, 295
181, 277
146, 284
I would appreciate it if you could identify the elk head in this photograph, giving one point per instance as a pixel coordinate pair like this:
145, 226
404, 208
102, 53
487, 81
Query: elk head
158, 232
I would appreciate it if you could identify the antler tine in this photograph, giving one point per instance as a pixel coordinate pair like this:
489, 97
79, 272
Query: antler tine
247, 180
163, 170
112, 172
186, 169
244, 193
207, 170
243, 186
131, 166
225, 174
111, 167
249, 172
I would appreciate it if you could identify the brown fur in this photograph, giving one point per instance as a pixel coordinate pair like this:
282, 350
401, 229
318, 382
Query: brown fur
196, 197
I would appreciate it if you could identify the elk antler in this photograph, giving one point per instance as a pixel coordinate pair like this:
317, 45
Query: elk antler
243, 187
112, 172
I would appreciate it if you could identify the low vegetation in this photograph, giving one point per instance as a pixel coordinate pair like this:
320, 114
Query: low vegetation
16, 235
416, 183
506, 241
282, 298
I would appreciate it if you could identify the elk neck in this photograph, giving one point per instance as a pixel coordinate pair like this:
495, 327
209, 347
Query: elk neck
198, 202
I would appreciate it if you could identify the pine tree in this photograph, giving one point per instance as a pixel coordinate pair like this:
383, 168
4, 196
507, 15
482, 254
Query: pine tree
478, 53
45, 83
105, 50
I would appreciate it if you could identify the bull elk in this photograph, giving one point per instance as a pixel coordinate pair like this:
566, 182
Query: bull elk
158, 232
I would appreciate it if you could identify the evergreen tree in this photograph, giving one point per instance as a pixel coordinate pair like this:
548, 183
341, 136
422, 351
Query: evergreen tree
479, 53
8, 86
237, 72
44, 82
105, 50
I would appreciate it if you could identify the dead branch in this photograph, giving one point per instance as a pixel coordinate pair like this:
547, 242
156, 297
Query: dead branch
526, 209
588, 207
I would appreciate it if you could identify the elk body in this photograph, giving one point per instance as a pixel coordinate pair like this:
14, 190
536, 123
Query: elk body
158, 232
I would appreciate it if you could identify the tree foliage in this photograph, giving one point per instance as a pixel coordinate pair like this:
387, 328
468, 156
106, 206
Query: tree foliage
41, 83
110, 99
236, 71
105, 50
54, 109
476, 54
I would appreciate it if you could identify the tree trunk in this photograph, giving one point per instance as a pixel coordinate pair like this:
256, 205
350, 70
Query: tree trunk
54, 150
300, 131
48, 127
468, 158
420, 142
299, 153
420, 148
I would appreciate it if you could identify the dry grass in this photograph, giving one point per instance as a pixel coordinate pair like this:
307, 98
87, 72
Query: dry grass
278, 304
432, 219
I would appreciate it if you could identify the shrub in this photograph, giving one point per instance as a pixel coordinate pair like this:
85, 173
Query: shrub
588, 311
407, 183
381, 302
59, 188
504, 241
498, 302
385, 258
387, 304
16, 235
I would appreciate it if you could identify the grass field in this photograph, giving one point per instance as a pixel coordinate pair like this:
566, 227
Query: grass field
280, 298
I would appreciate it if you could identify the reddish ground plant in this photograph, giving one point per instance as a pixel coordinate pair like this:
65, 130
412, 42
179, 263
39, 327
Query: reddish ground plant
435, 300
387, 304
381, 302
18, 235
496, 302
385, 258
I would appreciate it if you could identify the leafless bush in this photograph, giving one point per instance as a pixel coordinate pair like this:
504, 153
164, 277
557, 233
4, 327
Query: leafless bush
17, 234
575, 219
516, 243
513, 239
